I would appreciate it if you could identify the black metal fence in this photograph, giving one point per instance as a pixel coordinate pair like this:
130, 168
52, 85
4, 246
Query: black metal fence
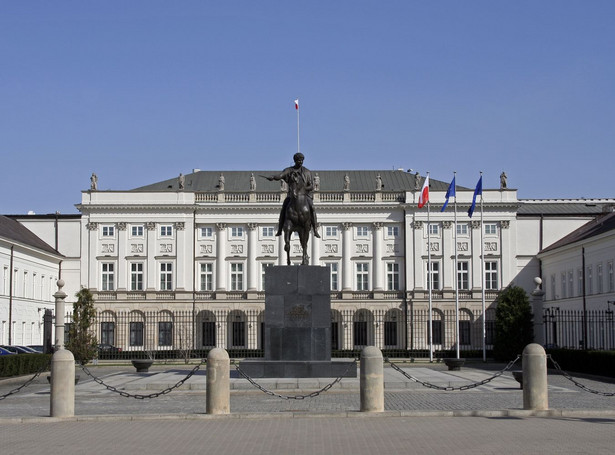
578, 329
191, 334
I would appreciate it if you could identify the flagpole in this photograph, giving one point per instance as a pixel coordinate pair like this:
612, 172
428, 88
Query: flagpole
297, 106
429, 281
456, 280
482, 266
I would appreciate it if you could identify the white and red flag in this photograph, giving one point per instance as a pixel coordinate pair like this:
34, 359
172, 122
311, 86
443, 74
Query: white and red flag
297, 104
424, 196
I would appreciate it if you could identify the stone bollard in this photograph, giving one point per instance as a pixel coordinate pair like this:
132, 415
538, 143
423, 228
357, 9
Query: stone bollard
62, 384
218, 394
372, 380
535, 394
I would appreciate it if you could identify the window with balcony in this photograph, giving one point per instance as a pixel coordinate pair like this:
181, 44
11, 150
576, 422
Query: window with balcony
392, 276
207, 276
362, 269
108, 276
166, 276
136, 276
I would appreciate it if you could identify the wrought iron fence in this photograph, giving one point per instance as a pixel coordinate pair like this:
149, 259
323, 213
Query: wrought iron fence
191, 334
568, 328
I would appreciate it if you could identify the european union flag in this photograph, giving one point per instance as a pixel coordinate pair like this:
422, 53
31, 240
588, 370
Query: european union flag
478, 190
450, 192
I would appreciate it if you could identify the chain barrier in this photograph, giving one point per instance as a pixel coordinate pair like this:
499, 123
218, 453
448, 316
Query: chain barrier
139, 396
577, 383
450, 388
292, 397
28, 382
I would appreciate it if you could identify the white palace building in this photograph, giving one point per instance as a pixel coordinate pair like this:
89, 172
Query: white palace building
180, 263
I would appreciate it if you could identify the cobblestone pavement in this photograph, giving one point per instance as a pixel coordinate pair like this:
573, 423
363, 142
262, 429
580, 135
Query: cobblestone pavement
503, 393
315, 436
416, 420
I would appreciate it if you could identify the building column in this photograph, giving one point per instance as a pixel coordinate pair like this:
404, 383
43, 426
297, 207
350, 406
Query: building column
151, 256
180, 256
420, 249
122, 243
346, 254
252, 265
93, 272
220, 257
378, 278
315, 257
477, 270
281, 252
448, 274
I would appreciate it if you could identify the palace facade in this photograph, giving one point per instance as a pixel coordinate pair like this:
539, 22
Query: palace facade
180, 263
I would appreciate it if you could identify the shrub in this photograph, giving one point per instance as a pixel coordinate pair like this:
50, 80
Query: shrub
81, 341
21, 364
513, 324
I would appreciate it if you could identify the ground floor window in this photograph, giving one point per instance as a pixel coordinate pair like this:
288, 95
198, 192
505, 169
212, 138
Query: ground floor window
209, 333
107, 332
165, 333
136, 334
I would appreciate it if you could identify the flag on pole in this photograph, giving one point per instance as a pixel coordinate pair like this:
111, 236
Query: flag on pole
478, 190
297, 104
424, 196
449, 193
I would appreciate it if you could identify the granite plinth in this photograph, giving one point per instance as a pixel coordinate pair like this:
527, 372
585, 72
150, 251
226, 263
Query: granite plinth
260, 368
297, 326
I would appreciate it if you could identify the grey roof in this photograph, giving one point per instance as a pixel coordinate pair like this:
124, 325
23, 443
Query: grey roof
529, 207
239, 181
593, 228
13, 230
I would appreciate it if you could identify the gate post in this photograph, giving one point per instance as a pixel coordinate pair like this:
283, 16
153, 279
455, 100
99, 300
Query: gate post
218, 393
62, 403
372, 380
538, 312
535, 394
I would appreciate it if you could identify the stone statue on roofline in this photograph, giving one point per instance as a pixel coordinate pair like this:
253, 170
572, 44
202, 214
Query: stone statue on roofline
94, 182
503, 181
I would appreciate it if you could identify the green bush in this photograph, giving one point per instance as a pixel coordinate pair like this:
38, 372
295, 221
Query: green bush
81, 341
601, 363
514, 328
22, 364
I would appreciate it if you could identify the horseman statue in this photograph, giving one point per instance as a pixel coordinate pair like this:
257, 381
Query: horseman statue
297, 214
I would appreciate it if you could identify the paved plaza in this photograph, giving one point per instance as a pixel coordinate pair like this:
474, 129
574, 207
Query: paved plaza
484, 419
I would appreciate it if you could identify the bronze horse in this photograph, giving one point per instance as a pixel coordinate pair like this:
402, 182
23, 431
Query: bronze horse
297, 218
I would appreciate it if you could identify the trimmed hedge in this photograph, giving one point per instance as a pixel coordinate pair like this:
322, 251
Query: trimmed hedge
22, 364
601, 363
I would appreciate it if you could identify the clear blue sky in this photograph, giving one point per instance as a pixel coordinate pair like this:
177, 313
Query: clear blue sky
139, 91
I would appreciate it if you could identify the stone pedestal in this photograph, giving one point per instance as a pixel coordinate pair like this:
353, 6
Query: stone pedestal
297, 326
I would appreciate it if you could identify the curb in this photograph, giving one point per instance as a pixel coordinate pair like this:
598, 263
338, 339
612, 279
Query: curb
506, 413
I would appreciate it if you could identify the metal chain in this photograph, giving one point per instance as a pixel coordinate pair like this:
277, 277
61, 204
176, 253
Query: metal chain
141, 396
293, 397
577, 383
28, 382
450, 388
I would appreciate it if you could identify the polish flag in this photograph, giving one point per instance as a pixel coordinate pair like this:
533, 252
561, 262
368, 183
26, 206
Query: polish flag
297, 104
424, 196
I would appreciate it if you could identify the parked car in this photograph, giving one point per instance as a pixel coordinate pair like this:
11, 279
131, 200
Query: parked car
108, 348
18, 349
5, 351
108, 351
37, 347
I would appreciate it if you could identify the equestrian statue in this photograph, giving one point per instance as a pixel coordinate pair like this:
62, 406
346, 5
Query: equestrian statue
297, 214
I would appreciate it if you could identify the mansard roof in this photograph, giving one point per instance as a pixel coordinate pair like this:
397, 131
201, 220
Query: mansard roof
564, 207
13, 230
595, 227
239, 181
